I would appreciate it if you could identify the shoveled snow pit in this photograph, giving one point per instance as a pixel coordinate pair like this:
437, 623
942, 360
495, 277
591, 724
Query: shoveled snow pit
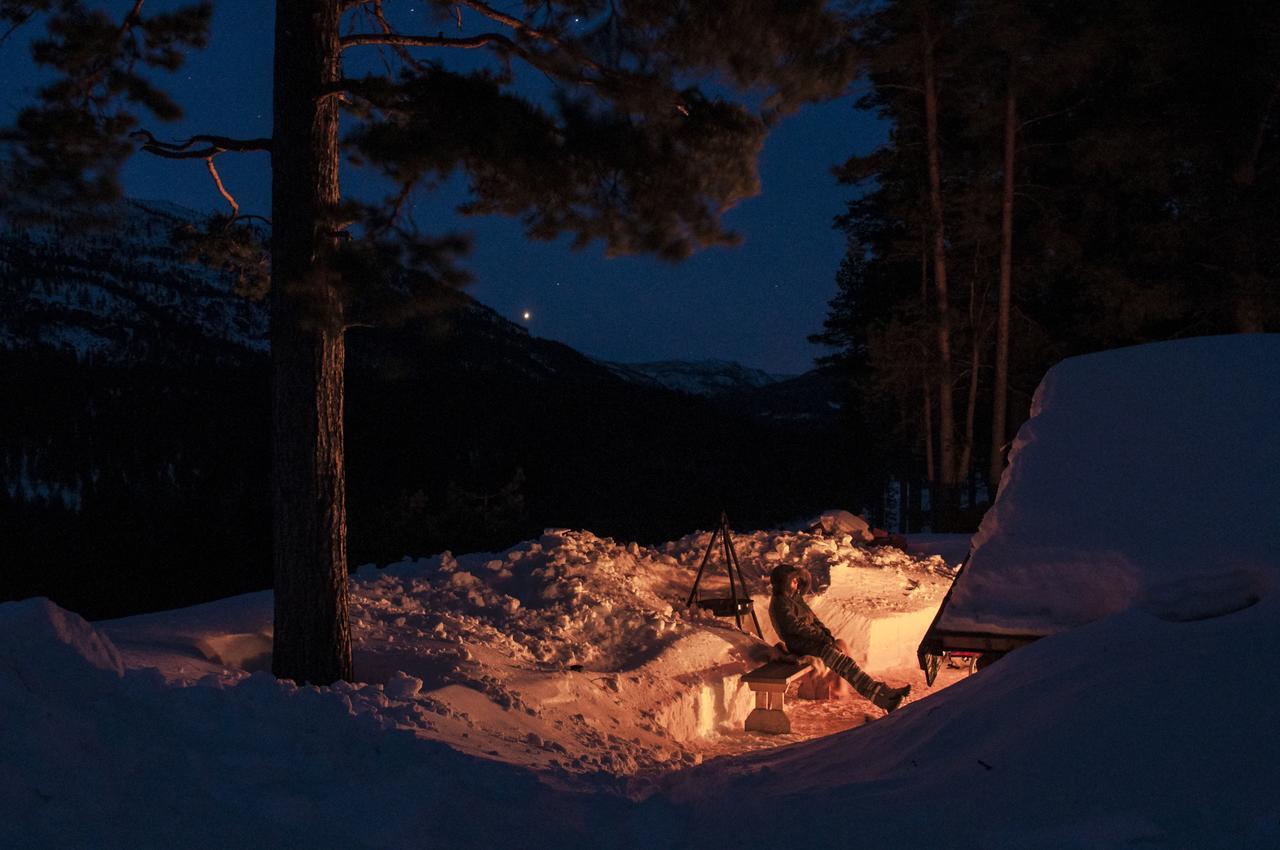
566, 664
572, 653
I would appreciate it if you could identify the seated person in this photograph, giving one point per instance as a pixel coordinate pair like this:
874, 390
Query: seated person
804, 634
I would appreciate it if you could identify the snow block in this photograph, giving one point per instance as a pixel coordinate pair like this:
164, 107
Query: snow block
878, 639
249, 651
709, 706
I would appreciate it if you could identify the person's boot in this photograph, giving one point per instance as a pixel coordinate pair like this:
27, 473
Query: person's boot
889, 699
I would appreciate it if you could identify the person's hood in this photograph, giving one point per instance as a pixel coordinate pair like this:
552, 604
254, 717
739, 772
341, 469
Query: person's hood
782, 574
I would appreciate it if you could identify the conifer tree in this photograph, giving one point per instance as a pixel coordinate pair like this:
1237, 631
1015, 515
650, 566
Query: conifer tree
629, 150
1108, 176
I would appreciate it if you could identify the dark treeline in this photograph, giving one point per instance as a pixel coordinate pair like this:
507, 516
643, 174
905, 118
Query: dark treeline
136, 475
1060, 178
142, 485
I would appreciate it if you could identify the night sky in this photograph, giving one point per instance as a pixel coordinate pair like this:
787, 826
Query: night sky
755, 304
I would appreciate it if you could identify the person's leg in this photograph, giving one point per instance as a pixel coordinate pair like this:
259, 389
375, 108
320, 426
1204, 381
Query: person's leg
822, 685
812, 686
878, 692
837, 686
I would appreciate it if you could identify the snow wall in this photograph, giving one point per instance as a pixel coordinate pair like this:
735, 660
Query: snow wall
1145, 476
878, 640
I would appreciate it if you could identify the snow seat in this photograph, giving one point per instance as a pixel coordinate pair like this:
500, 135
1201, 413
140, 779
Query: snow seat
1145, 477
769, 682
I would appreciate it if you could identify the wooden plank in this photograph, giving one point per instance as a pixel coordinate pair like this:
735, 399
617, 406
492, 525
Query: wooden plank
767, 687
776, 673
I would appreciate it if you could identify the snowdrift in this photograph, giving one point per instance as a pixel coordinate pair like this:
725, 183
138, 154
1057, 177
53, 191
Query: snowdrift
1146, 476
525, 697
1132, 731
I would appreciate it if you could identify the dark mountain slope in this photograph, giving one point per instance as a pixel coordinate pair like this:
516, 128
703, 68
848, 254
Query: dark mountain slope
133, 445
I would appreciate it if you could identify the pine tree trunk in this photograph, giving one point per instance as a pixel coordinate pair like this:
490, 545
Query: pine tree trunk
1000, 390
970, 406
946, 410
931, 468
931, 472
312, 629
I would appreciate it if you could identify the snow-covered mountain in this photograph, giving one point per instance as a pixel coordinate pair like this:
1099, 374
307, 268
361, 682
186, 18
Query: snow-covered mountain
134, 434
120, 294
807, 400
696, 377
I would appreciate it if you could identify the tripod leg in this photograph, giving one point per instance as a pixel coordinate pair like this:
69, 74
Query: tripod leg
735, 564
728, 565
711, 544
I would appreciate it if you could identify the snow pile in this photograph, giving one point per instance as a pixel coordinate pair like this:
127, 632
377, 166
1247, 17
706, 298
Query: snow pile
93, 757
568, 599
51, 638
508, 684
1136, 729
1145, 476
1132, 731
572, 653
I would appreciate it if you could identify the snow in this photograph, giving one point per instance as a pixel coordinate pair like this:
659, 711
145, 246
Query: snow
565, 665
560, 694
1145, 476
112, 281
1130, 731
572, 639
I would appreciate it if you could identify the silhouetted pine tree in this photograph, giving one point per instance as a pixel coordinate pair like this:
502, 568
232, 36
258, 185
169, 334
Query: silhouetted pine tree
628, 152
1107, 176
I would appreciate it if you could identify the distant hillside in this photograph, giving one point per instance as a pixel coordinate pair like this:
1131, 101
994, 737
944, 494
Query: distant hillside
121, 295
134, 455
697, 377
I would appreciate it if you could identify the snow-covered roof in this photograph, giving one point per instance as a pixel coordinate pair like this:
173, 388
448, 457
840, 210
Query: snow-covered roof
1145, 476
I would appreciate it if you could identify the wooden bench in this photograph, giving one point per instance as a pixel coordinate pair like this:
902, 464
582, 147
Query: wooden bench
769, 682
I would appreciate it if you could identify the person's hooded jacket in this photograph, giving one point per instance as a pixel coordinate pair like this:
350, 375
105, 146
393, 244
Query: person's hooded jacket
797, 626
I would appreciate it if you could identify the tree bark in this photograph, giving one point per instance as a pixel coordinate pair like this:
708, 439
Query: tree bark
926, 396
312, 629
946, 411
971, 403
1000, 389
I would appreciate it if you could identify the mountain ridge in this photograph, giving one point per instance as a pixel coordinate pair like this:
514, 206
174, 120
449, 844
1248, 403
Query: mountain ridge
135, 451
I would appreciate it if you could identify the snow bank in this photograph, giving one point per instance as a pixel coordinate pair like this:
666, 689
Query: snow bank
570, 653
1137, 729
47, 639
91, 756
1131, 731
1145, 476
518, 697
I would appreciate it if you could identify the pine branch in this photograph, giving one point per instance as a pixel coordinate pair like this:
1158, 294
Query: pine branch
529, 32
183, 150
404, 54
493, 40
398, 39
217, 179
18, 21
